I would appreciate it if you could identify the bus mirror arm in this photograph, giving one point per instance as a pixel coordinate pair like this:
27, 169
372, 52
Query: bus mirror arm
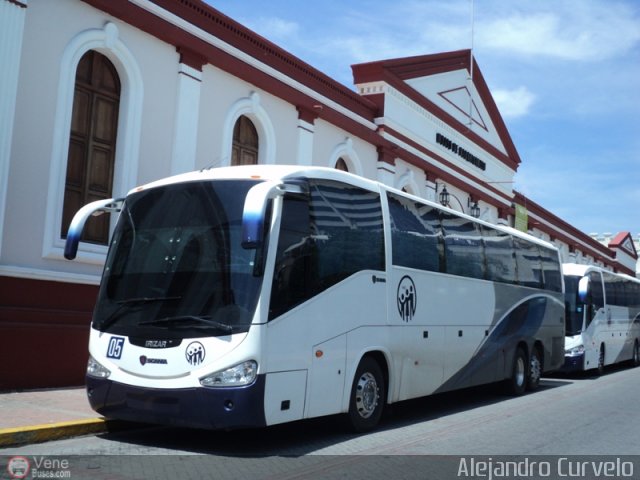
255, 207
80, 218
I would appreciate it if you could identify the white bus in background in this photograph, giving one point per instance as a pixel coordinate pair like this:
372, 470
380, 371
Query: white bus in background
251, 296
603, 318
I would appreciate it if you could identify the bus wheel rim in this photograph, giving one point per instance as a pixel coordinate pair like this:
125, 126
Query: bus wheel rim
535, 369
366, 395
520, 371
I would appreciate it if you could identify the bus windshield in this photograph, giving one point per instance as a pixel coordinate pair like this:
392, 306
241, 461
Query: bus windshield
176, 267
574, 307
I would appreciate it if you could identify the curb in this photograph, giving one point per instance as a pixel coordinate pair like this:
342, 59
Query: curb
11, 437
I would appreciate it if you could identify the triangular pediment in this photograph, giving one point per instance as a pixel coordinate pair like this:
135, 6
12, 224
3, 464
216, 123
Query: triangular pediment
447, 86
624, 242
455, 94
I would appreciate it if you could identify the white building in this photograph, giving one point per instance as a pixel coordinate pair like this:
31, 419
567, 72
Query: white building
99, 96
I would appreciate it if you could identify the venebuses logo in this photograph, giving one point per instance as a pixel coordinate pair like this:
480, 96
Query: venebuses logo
18, 467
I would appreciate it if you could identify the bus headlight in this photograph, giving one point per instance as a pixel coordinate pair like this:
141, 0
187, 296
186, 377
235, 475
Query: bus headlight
236, 376
95, 369
575, 351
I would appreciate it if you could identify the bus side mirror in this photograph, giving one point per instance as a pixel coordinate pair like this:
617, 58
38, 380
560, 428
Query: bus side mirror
584, 290
255, 208
80, 218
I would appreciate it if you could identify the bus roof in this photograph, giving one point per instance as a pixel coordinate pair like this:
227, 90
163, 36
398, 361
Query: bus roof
290, 172
581, 270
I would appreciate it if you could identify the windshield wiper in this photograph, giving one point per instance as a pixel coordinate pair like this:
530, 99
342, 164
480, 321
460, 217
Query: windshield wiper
142, 300
129, 302
186, 322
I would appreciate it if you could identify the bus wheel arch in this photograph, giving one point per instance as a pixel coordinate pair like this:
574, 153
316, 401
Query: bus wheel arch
368, 393
536, 366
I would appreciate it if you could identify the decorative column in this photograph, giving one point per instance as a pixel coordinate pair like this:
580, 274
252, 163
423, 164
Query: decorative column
12, 17
386, 165
185, 140
306, 128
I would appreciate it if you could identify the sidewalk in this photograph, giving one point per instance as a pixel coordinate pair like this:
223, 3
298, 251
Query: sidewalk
41, 415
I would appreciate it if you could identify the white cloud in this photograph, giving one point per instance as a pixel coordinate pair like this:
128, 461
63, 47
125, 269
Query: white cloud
571, 30
513, 103
274, 28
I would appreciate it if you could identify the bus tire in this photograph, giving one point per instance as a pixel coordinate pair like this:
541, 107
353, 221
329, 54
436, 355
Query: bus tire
635, 358
600, 367
517, 383
367, 396
535, 369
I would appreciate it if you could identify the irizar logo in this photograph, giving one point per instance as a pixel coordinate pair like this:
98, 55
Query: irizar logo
407, 298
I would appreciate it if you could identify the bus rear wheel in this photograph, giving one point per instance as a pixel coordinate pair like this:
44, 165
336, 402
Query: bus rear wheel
535, 369
635, 359
367, 396
517, 383
600, 367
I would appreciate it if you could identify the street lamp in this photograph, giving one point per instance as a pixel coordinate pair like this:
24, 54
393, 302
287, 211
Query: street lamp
474, 209
444, 196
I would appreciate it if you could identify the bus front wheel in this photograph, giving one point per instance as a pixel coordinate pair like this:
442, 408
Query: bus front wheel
367, 396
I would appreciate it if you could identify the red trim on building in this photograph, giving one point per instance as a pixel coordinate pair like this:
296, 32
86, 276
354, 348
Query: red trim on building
219, 25
309, 114
19, 4
46, 325
191, 58
560, 230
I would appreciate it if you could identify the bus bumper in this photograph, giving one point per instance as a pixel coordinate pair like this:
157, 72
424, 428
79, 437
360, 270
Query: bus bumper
573, 363
208, 408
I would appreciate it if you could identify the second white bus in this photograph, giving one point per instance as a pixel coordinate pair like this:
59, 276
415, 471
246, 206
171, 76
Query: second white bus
603, 318
252, 296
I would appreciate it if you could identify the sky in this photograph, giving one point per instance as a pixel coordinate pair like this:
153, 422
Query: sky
565, 75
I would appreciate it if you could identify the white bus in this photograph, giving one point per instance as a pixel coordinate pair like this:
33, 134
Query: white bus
251, 296
603, 318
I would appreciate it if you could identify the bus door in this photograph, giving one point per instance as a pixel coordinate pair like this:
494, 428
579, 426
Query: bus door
595, 321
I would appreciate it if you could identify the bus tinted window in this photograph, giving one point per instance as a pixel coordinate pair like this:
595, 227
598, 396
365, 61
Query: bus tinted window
464, 250
528, 263
501, 260
609, 291
415, 234
551, 270
324, 239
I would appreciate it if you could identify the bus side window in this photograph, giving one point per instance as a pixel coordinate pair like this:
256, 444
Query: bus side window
415, 234
551, 270
464, 249
500, 256
294, 268
529, 264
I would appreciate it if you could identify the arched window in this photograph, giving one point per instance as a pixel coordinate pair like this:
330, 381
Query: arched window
245, 143
92, 142
342, 165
